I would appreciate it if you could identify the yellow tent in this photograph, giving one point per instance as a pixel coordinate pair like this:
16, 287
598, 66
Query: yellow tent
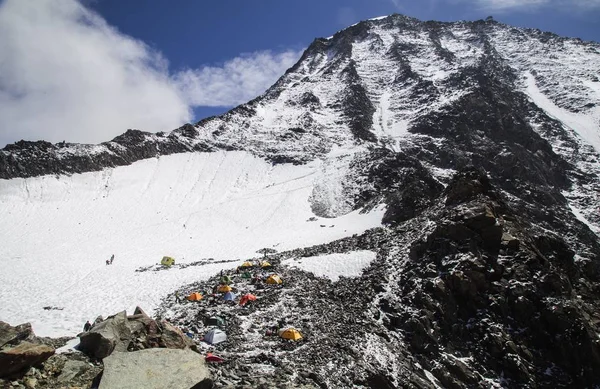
247, 264
265, 264
274, 280
224, 289
195, 297
291, 334
167, 261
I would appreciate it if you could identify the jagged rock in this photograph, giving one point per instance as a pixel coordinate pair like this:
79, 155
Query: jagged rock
153, 368
510, 241
31, 383
22, 357
112, 334
10, 334
173, 337
72, 369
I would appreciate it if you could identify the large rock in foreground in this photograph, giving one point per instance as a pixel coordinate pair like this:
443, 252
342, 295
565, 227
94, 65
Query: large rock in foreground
22, 357
113, 334
154, 369
10, 334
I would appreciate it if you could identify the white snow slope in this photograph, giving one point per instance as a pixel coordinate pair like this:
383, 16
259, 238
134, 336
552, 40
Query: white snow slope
57, 232
334, 266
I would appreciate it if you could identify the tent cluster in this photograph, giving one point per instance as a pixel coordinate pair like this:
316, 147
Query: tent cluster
228, 291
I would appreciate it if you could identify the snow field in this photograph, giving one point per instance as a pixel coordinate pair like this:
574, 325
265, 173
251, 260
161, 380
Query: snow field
334, 266
57, 232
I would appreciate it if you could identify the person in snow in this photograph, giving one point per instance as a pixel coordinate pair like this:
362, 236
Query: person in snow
112, 258
108, 262
177, 299
87, 326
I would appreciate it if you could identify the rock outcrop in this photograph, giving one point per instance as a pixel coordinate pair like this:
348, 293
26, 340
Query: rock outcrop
154, 369
122, 333
11, 335
22, 357
112, 334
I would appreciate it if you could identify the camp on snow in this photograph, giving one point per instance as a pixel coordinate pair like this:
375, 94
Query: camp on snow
291, 334
224, 289
247, 298
167, 261
215, 336
215, 321
194, 296
265, 265
213, 358
274, 280
226, 280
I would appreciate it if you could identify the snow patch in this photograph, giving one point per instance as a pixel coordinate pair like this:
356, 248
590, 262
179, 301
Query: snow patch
334, 266
584, 124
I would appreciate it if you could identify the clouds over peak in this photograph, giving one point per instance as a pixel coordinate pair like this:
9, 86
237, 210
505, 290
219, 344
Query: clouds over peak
512, 5
237, 80
65, 74
506, 5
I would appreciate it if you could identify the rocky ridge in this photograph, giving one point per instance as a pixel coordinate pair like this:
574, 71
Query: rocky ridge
467, 294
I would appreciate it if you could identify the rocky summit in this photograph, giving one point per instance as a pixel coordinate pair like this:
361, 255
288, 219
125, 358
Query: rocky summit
482, 142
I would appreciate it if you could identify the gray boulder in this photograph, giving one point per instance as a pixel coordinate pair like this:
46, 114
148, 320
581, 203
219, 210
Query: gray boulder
72, 369
10, 334
154, 369
112, 334
22, 357
173, 337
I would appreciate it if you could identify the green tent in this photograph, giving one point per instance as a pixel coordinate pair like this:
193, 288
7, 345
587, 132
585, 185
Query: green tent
215, 321
167, 261
225, 280
246, 275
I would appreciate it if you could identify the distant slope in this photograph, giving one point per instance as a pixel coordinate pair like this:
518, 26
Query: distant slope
57, 233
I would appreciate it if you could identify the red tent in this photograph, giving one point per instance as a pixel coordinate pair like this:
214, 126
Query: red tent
247, 297
213, 358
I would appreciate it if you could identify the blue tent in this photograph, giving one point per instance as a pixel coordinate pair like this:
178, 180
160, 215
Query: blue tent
229, 296
215, 336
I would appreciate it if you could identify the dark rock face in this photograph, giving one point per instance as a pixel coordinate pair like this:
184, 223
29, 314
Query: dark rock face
107, 336
468, 288
398, 180
30, 159
12, 335
22, 357
122, 333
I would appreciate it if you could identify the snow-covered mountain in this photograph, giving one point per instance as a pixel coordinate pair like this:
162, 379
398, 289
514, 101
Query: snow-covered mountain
477, 144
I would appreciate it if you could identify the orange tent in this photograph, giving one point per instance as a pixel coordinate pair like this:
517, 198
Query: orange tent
274, 280
195, 297
224, 289
291, 334
247, 297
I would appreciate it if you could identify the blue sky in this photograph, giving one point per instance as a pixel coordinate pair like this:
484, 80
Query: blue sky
196, 33
87, 70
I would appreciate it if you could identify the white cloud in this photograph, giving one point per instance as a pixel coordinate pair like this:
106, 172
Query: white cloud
65, 74
397, 4
237, 80
505, 5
